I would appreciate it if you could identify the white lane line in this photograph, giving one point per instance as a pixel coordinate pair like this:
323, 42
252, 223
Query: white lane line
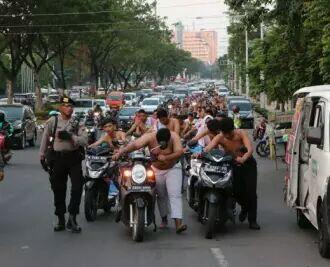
218, 255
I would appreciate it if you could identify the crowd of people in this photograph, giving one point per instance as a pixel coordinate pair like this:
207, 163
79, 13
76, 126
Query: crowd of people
201, 119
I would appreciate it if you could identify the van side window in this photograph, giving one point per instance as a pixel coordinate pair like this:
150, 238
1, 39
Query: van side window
319, 120
306, 120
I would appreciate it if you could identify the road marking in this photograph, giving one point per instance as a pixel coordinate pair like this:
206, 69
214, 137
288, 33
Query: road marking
218, 255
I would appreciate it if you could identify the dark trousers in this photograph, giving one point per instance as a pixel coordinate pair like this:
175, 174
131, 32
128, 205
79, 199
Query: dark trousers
67, 164
245, 187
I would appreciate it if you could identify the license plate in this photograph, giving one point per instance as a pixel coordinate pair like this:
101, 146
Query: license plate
208, 168
135, 188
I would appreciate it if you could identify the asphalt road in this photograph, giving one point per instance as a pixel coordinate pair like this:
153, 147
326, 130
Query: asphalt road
27, 237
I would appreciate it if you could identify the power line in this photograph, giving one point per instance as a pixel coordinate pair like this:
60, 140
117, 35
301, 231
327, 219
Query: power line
64, 25
91, 12
192, 4
78, 32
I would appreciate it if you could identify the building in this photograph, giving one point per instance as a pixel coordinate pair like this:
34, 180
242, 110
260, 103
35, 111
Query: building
202, 45
178, 34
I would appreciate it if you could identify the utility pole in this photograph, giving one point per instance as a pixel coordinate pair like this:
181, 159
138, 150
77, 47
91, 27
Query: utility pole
156, 8
247, 80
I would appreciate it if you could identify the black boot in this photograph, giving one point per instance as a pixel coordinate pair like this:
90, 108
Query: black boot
254, 226
72, 224
60, 226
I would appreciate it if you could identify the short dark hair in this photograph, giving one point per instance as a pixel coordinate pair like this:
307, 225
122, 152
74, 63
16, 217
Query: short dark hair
142, 111
213, 125
164, 135
162, 113
109, 120
227, 125
221, 115
209, 112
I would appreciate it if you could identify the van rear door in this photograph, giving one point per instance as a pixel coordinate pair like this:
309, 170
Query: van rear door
293, 156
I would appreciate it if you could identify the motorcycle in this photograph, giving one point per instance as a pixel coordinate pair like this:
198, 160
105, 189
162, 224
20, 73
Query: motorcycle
210, 191
137, 191
5, 150
263, 146
100, 186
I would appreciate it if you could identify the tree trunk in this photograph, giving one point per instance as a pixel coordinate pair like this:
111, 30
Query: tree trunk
39, 104
63, 83
10, 91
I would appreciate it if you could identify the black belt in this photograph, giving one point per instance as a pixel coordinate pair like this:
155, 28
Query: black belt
66, 152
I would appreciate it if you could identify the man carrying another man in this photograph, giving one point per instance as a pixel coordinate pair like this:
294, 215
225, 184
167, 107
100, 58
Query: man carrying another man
166, 149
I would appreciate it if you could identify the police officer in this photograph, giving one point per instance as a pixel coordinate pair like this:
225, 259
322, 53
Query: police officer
70, 137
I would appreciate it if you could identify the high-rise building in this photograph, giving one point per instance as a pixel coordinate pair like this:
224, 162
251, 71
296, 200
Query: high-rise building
178, 34
202, 45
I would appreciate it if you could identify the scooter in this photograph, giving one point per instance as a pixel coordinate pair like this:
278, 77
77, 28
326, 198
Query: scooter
210, 190
263, 146
137, 194
101, 177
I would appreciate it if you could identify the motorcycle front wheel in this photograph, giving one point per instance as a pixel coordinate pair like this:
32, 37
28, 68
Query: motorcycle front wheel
211, 220
90, 205
262, 149
138, 226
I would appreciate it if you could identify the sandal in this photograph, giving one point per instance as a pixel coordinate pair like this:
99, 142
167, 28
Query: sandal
163, 225
181, 229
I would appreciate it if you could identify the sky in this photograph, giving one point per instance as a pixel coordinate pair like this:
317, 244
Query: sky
198, 14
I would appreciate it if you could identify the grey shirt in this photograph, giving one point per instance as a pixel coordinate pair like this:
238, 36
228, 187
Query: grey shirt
79, 135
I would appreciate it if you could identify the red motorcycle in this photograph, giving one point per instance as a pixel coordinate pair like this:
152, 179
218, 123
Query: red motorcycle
5, 150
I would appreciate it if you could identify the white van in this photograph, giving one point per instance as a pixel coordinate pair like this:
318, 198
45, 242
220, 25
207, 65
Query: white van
308, 154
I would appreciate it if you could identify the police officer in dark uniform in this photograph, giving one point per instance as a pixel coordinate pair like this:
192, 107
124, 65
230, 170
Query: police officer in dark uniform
69, 139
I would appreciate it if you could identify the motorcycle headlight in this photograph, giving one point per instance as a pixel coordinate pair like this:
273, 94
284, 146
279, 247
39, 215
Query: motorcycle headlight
139, 174
94, 174
220, 181
170, 106
195, 166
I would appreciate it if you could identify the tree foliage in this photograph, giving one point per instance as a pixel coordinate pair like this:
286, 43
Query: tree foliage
111, 41
295, 51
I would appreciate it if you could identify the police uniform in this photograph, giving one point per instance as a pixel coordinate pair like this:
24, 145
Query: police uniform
70, 137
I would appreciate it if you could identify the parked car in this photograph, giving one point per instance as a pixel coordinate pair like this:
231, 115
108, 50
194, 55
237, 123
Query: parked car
150, 104
54, 98
24, 123
246, 112
25, 99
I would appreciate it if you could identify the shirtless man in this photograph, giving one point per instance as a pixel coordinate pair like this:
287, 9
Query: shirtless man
165, 147
234, 141
165, 122
112, 134
140, 125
